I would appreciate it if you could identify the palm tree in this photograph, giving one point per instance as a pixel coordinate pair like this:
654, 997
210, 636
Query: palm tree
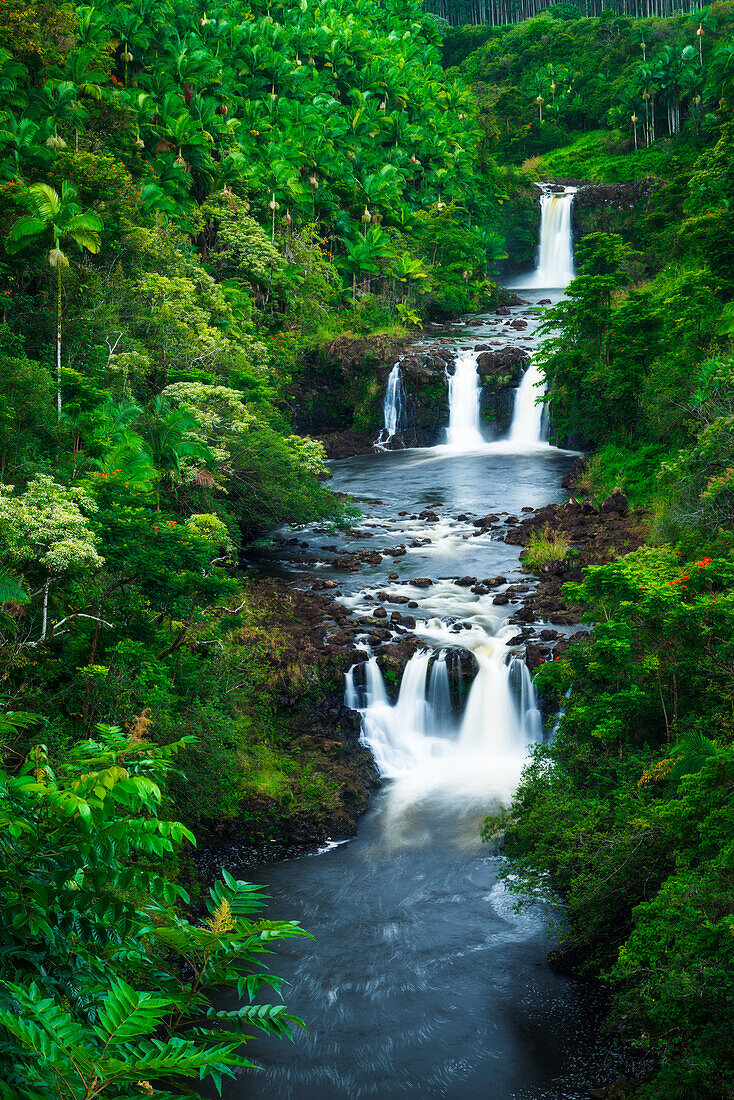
57, 219
172, 435
722, 73
23, 139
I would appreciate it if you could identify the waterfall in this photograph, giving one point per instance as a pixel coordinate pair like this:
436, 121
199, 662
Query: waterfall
416, 733
465, 390
528, 426
439, 697
555, 253
398, 734
393, 407
522, 682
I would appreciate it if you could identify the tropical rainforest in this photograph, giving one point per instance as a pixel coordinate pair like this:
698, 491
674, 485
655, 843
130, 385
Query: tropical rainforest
194, 200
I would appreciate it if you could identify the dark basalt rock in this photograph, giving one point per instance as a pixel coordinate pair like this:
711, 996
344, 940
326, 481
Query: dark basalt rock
617, 502
535, 655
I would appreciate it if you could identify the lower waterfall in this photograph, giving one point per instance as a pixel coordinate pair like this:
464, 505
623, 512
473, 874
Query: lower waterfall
423, 739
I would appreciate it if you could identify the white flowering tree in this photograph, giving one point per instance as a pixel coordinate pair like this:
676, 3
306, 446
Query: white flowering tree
269, 477
46, 535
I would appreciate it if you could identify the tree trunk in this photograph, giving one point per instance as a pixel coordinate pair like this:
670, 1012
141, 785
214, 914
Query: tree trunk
58, 340
44, 624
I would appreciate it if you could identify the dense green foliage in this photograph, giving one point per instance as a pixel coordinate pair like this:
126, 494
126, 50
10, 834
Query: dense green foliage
190, 198
106, 983
629, 84
626, 812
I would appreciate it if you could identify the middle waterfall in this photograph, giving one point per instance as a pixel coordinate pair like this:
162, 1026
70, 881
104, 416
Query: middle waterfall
528, 426
463, 433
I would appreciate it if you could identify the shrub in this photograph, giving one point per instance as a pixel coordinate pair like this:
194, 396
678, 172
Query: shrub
544, 547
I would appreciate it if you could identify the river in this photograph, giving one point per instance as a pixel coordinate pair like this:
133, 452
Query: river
421, 978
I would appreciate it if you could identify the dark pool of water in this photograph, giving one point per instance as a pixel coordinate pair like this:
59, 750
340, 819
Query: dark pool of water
421, 980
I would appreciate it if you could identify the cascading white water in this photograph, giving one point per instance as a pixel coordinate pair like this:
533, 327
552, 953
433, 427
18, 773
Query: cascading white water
415, 739
439, 697
463, 433
528, 426
400, 734
393, 407
522, 681
555, 253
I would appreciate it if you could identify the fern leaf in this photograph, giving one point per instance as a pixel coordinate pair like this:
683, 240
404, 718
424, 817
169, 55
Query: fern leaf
127, 1014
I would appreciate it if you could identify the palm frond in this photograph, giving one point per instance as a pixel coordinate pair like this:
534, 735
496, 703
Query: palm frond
45, 200
24, 232
87, 238
11, 589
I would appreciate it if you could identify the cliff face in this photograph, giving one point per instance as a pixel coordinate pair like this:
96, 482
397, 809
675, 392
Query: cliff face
612, 208
500, 371
338, 396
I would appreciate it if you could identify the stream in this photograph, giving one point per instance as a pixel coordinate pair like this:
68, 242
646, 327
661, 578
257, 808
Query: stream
422, 979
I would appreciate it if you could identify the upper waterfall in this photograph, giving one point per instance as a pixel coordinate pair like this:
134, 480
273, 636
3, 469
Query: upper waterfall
555, 252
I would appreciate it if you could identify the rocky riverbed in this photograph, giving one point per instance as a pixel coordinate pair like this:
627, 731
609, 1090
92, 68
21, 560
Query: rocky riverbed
319, 631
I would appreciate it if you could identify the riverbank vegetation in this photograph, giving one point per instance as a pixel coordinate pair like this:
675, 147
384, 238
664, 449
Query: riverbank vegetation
106, 983
626, 810
193, 200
